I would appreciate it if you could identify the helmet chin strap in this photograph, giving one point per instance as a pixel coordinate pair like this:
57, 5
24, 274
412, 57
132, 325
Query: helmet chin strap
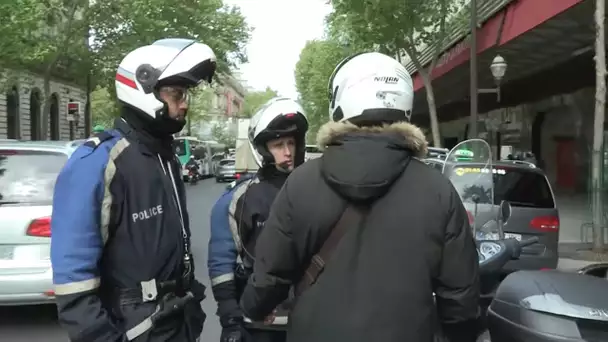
283, 167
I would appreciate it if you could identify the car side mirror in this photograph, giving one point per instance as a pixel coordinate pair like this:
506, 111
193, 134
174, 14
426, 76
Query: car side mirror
505, 211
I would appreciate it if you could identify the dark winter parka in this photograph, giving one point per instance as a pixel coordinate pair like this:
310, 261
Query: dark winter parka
379, 283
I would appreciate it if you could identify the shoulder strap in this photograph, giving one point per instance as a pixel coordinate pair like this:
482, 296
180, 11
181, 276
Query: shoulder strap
352, 216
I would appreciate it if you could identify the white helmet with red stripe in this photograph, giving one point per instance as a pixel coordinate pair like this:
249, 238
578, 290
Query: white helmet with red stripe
278, 118
177, 62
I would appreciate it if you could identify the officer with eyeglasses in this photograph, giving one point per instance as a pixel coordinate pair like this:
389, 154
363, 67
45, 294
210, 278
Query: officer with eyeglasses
120, 249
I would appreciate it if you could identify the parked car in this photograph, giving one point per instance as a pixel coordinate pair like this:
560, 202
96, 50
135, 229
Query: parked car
312, 152
215, 161
437, 152
226, 170
534, 209
28, 171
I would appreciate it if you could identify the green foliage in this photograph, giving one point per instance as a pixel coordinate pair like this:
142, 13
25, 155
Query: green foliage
393, 25
254, 100
201, 104
42, 36
317, 62
222, 134
50, 37
119, 26
103, 107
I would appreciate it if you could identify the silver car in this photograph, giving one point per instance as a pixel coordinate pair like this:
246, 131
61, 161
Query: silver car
226, 170
28, 171
534, 210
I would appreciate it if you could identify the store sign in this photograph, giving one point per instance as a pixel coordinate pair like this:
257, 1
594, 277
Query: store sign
73, 111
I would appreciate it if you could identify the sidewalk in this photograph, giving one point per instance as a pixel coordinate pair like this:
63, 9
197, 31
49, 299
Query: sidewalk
572, 265
574, 211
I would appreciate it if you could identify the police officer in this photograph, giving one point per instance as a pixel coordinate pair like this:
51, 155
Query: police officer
277, 139
120, 249
405, 255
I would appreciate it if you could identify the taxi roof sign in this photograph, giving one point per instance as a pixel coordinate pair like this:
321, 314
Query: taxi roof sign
464, 153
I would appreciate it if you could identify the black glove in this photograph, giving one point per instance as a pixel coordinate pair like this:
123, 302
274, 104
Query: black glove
198, 290
233, 330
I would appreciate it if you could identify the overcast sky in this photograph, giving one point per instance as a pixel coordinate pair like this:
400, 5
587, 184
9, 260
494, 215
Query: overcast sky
281, 28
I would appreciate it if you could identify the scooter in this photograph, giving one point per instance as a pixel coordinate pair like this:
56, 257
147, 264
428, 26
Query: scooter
541, 306
193, 175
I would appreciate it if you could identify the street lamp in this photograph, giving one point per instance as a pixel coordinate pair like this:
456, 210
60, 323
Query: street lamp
498, 69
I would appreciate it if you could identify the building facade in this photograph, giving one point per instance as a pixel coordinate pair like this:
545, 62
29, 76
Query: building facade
226, 105
22, 104
230, 95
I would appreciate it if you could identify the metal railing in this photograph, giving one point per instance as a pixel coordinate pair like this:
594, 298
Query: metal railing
458, 31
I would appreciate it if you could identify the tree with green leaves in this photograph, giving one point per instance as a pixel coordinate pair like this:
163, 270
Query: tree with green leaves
50, 36
120, 26
396, 26
222, 134
200, 106
104, 108
44, 36
317, 61
255, 99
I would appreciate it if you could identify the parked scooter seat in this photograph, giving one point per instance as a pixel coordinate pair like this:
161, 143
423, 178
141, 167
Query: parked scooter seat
549, 306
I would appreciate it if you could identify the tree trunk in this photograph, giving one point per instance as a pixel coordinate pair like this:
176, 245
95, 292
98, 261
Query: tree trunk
597, 208
46, 108
61, 51
430, 99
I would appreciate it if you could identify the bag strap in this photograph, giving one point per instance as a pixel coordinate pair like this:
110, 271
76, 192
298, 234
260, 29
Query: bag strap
352, 216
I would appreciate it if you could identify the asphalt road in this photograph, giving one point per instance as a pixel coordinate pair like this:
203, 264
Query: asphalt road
39, 323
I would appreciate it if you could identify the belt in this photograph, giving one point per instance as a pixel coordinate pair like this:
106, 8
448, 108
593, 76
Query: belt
148, 291
168, 296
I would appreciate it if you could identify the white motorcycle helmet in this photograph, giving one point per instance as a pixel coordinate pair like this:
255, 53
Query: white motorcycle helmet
278, 118
172, 62
369, 89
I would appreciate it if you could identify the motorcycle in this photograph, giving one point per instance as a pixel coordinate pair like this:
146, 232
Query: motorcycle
469, 167
193, 175
526, 306
540, 306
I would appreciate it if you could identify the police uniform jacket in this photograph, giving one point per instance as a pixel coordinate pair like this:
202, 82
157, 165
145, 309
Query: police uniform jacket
118, 224
237, 219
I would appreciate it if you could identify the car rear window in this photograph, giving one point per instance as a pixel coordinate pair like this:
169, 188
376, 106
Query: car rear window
312, 149
29, 176
228, 162
522, 188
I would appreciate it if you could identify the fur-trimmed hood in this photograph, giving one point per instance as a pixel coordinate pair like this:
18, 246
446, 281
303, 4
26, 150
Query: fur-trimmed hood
361, 163
413, 136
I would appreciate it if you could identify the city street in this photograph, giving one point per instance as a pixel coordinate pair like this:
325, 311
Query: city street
30, 324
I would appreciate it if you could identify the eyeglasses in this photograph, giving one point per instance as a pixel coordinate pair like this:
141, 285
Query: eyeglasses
177, 94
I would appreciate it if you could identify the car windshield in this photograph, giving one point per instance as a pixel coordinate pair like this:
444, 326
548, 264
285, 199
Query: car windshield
29, 176
179, 147
522, 188
227, 162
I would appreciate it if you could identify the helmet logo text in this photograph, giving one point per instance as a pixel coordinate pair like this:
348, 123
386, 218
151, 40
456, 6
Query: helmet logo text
387, 80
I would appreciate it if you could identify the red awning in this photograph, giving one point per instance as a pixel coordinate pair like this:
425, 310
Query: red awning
519, 17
